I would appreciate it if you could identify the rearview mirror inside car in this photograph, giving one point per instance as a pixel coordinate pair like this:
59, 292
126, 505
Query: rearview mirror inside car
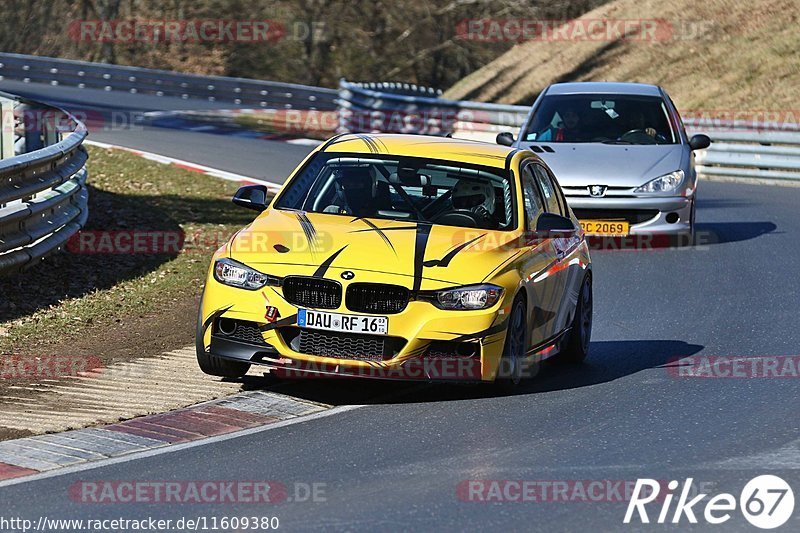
252, 197
550, 222
699, 142
505, 138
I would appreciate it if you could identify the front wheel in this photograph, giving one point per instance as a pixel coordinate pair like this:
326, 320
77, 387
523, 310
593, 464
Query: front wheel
576, 346
512, 363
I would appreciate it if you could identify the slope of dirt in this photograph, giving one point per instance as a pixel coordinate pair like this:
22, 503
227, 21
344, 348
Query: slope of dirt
721, 55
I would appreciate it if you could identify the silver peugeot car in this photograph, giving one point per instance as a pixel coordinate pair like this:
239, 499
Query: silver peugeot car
621, 153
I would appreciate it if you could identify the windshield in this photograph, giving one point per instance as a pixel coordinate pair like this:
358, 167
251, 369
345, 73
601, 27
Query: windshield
407, 189
606, 118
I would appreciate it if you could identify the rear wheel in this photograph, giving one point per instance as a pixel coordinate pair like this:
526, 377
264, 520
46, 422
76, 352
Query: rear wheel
576, 346
511, 371
211, 364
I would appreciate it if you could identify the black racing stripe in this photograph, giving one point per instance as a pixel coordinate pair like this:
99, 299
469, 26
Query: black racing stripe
276, 292
504, 264
323, 268
420, 244
385, 229
309, 231
491, 330
379, 141
288, 321
445, 261
369, 142
382, 234
213, 316
333, 140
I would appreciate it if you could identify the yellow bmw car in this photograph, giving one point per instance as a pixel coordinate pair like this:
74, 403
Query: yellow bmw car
401, 257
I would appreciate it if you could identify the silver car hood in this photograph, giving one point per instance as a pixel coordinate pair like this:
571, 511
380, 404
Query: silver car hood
614, 165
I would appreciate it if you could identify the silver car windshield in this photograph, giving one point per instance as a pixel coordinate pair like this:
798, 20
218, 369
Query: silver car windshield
602, 118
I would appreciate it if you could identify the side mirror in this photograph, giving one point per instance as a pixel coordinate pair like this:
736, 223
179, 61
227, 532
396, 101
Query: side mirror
549, 222
699, 141
505, 138
252, 197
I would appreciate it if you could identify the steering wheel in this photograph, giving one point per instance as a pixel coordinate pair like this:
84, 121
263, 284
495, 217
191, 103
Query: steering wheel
637, 135
459, 217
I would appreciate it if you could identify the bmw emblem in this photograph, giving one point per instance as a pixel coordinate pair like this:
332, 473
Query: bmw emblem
348, 275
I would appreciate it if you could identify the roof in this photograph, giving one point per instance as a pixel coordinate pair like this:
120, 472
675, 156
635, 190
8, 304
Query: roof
604, 87
425, 146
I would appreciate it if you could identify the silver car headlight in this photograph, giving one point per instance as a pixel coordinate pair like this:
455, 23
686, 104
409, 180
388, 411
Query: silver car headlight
236, 274
468, 298
666, 183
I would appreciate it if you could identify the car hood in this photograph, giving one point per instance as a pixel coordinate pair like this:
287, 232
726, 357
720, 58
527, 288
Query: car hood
582, 164
283, 242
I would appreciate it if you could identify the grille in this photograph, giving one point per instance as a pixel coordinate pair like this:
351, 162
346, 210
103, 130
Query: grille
633, 216
312, 292
376, 298
245, 332
341, 345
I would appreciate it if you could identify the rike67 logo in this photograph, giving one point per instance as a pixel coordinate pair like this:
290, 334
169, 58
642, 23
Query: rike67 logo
766, 502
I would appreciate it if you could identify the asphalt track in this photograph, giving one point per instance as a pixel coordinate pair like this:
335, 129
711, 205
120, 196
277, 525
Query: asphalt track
396, 462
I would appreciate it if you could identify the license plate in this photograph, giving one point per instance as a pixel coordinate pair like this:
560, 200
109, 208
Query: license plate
375, 325
606, 227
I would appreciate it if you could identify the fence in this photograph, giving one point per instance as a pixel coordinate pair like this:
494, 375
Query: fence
43, 196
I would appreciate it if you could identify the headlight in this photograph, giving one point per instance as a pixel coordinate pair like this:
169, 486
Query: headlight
468, 298
235, 274
666, 183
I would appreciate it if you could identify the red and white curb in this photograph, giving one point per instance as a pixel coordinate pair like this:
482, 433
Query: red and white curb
192, 167
248, 411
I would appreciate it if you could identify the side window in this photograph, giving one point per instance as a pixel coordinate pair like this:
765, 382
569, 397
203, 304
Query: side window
531, 198
548, 190
562, 199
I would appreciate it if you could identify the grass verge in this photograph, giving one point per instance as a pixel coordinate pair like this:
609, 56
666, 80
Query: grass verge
123, 305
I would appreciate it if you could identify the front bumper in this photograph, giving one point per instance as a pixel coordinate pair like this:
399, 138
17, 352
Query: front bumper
421, 326
662, 215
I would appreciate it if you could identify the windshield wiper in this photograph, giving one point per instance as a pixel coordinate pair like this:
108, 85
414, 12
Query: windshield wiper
613, 141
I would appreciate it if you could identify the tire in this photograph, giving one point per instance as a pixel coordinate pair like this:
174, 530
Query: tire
211, 364
576, 345
511, 372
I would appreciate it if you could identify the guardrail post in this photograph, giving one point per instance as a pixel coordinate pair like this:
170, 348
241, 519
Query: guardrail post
7, 134
31, 123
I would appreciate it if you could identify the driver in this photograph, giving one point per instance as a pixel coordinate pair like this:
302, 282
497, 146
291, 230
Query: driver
569, 127
640, 123
357, 187
477, 197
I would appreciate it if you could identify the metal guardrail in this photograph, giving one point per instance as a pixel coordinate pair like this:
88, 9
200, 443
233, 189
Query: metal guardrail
43, 196
405, 108
739, 150
239, 91
748, 149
